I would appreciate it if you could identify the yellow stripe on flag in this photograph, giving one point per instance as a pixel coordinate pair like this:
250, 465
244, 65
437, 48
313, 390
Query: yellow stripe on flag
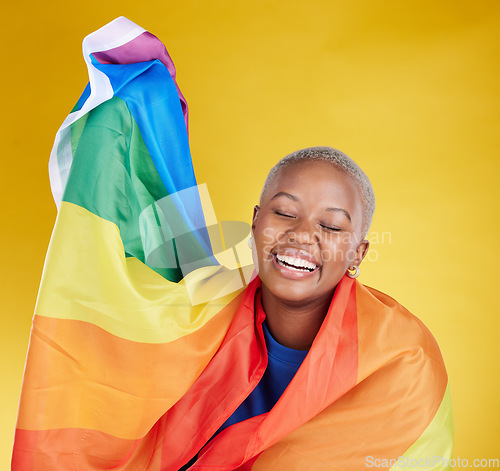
433, 449
88, 278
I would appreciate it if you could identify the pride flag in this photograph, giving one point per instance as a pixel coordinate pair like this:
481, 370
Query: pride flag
143, 343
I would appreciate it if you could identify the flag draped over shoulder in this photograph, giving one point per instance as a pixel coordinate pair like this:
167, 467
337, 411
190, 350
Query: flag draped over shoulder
143, 344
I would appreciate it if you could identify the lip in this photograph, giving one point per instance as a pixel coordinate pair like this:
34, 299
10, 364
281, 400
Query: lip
296, 253
290, 273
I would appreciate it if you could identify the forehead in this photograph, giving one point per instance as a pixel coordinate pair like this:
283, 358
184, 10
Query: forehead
318, 179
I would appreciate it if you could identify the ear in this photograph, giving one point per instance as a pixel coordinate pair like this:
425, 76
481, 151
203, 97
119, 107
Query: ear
361, 252
254, 217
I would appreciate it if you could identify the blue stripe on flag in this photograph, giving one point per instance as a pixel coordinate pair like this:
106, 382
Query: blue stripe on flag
155, 106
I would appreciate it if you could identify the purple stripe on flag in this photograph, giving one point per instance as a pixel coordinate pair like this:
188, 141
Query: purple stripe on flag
144, 47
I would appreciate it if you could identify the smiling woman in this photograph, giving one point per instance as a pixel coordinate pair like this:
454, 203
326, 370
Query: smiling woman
302, 368
308, 230
343, 360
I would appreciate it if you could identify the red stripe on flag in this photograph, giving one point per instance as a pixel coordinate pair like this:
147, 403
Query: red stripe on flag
329, 370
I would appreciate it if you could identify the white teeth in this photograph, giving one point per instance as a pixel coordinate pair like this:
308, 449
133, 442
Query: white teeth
296, 262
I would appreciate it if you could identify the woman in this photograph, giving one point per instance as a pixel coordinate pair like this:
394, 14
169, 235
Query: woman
316, 207
146, 354
350, 374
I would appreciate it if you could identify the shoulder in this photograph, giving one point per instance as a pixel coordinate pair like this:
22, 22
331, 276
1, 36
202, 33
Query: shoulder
389, 329
381, 311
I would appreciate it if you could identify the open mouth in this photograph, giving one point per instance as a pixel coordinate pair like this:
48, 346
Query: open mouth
296, 264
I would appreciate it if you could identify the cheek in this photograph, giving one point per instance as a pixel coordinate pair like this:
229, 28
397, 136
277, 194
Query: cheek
267, 237
264, 241
255, 257
338, 253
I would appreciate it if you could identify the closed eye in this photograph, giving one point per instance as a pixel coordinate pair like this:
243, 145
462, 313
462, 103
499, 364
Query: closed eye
330, 228
283, 214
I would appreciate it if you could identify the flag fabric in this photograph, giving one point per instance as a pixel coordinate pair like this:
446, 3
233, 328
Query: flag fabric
143, 343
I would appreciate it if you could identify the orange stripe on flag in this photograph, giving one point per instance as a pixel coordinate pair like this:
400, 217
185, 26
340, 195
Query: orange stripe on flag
81, 376
64, 449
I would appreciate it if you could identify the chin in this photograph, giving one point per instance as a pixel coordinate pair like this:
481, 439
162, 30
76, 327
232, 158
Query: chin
293, 291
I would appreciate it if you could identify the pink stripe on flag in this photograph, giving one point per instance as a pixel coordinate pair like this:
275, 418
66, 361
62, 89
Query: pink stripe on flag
144, 47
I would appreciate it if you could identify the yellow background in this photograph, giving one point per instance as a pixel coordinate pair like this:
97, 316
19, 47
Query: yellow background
409, 89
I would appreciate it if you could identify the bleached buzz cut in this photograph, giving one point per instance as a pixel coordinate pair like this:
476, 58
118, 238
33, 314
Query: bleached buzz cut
340, 161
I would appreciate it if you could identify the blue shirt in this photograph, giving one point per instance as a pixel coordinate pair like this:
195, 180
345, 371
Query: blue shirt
283, 363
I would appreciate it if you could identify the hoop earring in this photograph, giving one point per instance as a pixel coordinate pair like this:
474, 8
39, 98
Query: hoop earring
354, 273
250, 242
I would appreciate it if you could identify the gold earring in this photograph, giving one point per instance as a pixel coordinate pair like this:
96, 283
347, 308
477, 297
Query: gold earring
354, 273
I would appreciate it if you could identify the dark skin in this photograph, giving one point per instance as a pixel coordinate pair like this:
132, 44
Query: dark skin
307, 233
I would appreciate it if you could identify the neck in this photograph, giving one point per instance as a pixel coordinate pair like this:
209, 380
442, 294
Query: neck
294, 325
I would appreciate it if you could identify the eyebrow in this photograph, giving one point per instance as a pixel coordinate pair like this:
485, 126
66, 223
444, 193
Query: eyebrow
288, 195
294, 198
346, 213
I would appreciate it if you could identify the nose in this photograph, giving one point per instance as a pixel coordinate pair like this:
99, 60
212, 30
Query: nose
304, 232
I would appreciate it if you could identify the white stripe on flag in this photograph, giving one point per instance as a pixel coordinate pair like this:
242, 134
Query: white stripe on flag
116, 33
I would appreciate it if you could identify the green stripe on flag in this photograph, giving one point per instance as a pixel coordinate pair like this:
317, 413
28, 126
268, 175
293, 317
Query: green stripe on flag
113, 176
76, 131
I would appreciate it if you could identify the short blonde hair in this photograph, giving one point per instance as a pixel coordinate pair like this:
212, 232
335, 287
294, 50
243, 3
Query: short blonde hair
343, 163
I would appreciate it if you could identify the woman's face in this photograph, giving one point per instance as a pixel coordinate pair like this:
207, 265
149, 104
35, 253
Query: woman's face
307, 231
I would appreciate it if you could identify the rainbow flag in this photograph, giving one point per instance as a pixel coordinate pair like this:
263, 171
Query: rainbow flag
143, 342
